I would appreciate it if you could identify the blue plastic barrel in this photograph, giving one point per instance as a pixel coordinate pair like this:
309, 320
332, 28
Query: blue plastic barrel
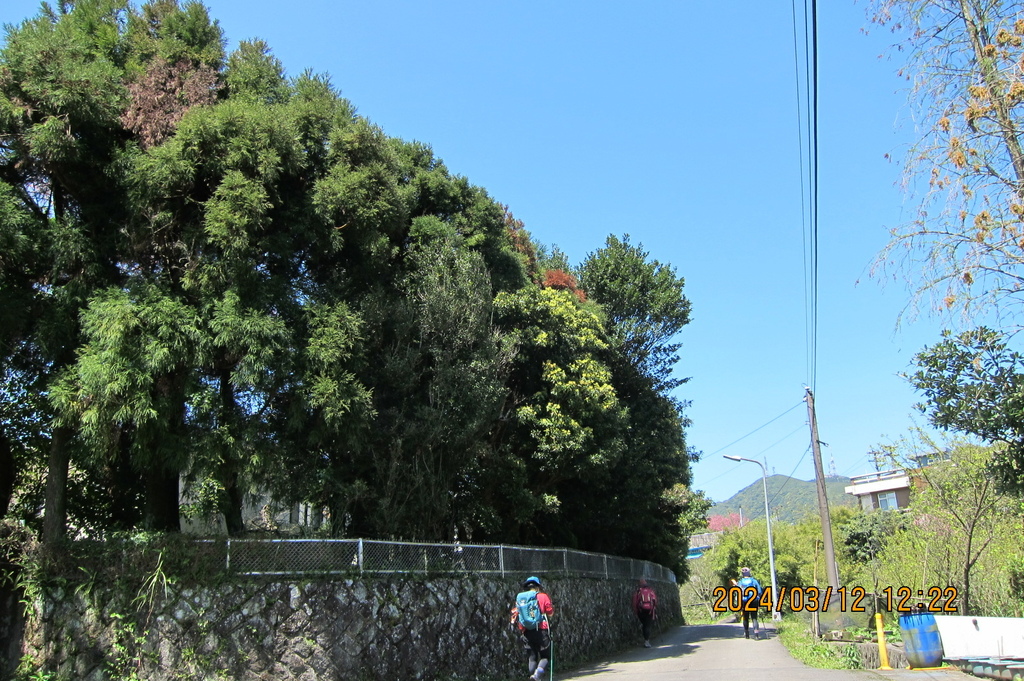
921, 640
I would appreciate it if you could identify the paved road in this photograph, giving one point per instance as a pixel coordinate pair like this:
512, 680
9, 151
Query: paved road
719, 651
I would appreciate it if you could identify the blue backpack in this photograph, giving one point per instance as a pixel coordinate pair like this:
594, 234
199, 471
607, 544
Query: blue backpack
746, 583
530, 615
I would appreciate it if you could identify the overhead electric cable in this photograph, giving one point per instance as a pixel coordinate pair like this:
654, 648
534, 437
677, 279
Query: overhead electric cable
759, 512
856, 463
806, 73
791, 474
784, 438
803, 134
813, 84
756, 429
801, 428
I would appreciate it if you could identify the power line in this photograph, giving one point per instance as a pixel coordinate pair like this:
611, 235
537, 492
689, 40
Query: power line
756, 429
790, 477
807, 127
729, 472
856, 463
804, 179
793, 432
814, 193
784, 438
775, 496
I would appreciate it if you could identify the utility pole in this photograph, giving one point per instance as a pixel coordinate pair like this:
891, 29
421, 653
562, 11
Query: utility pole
831, 569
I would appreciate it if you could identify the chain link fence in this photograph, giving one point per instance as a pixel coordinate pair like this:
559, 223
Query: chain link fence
299, 557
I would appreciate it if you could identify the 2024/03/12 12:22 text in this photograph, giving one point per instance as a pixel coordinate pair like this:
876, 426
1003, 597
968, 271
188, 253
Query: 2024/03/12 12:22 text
815, 599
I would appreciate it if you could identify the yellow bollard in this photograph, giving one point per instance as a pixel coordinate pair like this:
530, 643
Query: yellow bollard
883, 653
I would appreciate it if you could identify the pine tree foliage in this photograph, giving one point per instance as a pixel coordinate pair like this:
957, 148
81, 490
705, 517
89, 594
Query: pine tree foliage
218, 276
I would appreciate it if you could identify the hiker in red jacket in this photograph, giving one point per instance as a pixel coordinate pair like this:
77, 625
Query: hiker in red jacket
532, 614
645, 605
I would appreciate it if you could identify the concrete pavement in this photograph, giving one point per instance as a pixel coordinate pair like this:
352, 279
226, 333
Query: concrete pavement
719, 651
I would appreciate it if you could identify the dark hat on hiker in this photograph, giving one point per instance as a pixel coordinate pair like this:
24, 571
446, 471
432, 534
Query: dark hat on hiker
642, 582
532, 580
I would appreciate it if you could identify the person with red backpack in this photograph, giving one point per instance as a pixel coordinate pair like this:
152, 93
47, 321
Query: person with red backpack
645, 605
532, 614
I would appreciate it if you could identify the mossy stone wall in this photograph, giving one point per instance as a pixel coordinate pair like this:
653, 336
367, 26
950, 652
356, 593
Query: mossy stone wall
396, 627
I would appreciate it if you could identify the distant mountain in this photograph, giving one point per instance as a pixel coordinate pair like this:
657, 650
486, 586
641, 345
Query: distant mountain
791, 500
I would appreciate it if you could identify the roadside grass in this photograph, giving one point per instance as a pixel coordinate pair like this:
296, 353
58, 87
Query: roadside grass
796, 635
694, 612
698, 614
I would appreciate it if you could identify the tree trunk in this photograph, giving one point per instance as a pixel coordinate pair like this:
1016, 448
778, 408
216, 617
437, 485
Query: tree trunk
55, 512
162, 495
965, 595
231, 504
6, 474
123, 484
167, 448
974, 18
232, 507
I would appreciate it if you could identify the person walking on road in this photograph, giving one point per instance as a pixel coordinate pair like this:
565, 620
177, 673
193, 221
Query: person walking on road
748, 599
532, 613
645, 605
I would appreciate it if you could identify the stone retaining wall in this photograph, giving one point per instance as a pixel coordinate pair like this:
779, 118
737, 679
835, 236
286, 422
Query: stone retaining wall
869, 657
395, 628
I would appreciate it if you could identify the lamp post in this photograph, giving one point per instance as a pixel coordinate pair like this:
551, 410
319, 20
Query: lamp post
768, 521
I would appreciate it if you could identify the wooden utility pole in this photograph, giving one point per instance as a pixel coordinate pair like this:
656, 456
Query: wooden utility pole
831, 569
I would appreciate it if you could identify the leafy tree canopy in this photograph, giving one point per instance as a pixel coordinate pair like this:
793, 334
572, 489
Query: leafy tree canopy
973, 383
217, 276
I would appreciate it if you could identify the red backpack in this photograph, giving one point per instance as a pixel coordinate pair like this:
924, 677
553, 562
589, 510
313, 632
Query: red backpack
645, 601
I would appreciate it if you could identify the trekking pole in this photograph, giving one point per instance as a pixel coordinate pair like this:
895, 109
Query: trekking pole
551, 662
551, 650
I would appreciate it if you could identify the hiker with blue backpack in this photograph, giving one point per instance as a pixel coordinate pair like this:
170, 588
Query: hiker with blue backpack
749, 597
532, 614
645, 605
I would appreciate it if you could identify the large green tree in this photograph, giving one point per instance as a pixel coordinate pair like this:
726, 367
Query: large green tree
645, 309
61, 96
558, 431
973, 383
226, 282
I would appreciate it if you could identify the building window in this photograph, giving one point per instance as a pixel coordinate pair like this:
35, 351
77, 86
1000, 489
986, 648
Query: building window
887, 501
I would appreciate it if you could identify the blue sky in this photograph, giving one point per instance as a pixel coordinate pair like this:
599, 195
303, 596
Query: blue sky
676, 123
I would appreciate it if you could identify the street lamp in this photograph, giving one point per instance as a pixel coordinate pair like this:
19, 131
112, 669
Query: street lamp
768, 521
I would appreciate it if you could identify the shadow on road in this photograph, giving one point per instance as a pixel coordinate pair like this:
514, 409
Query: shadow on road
720, 631
676, 642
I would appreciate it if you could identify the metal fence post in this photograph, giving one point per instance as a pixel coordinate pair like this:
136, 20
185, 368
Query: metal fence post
565, 561
359, 556
227, 564
501, 560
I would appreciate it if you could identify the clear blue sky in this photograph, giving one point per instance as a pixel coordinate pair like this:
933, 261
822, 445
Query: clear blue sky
675, 122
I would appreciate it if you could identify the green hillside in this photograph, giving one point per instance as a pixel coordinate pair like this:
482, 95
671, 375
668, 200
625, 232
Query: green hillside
791, 500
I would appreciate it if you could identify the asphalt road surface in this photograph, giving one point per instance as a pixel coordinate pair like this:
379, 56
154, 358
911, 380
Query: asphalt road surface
715, 652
